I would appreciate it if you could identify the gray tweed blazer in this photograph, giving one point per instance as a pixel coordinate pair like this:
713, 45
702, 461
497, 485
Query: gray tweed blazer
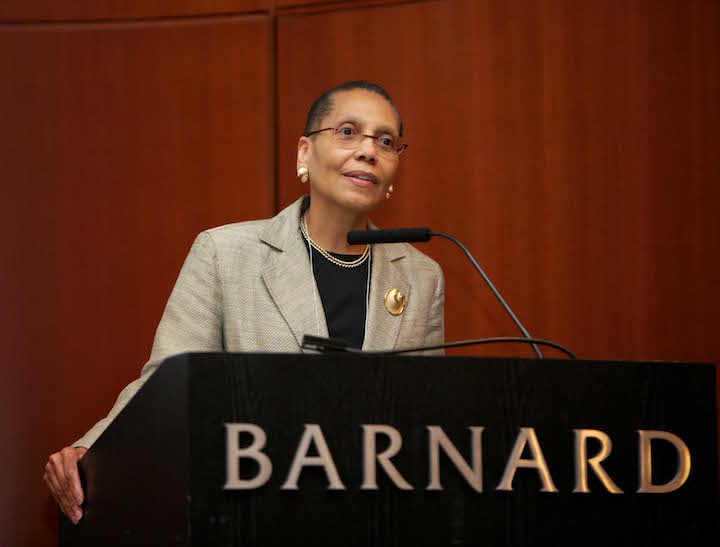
247, 287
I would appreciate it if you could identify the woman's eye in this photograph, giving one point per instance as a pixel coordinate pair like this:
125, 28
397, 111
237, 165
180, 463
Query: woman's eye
347, 131
387, 142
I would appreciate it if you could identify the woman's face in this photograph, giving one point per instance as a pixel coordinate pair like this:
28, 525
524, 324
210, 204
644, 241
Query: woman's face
337, 173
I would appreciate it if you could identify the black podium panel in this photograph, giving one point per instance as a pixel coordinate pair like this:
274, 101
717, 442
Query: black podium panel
156, 476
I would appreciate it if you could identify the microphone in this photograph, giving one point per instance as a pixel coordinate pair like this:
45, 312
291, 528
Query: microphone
424, 234
326, 345
400, 235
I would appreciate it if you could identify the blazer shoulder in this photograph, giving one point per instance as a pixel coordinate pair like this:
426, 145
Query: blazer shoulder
416, 264
278, 232
418, 259
238, 235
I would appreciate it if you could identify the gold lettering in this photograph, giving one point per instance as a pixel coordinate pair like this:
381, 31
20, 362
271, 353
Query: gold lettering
313, 435
234, 454
370, 456
439, 439
527, 436
645, 450
582, 461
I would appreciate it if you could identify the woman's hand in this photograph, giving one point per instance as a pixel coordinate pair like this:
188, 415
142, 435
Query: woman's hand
62, 478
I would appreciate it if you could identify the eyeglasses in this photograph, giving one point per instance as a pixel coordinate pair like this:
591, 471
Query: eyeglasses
349, 137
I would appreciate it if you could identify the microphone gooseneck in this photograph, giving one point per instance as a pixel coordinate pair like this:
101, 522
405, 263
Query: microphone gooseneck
524, 332
411, 235
326, 345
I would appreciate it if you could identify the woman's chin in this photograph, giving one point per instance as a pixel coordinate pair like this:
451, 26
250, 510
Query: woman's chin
353, 198
361, 199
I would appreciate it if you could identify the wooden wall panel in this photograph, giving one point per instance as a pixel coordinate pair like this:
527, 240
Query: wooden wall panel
323, 4
52, 10
570, 145
119, 143
315, 6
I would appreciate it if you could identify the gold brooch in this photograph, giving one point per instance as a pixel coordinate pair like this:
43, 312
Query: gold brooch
394, 301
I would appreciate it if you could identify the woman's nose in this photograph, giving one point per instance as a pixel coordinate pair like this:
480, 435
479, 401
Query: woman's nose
366, 150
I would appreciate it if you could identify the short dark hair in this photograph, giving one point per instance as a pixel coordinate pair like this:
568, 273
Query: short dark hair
323, 105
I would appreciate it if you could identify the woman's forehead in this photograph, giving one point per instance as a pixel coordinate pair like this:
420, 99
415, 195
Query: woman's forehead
364, 107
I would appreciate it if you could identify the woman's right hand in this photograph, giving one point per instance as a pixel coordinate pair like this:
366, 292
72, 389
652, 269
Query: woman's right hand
62, 478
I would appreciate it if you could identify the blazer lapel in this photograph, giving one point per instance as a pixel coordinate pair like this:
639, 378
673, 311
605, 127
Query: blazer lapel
287, 276
382, 327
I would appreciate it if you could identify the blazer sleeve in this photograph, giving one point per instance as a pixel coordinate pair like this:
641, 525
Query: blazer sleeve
192, 321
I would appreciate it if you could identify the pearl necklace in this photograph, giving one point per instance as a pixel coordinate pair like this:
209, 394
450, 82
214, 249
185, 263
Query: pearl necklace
342, 263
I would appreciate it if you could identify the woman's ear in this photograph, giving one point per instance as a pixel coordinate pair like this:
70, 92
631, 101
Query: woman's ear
302, 151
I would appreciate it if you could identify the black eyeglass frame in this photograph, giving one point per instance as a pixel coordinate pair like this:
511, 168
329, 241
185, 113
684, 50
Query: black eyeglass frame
398, 151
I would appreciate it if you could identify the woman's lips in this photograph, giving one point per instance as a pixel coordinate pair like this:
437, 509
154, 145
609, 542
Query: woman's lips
359, 178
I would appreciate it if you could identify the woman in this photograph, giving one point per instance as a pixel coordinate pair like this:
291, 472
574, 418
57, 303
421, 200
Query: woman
260, 286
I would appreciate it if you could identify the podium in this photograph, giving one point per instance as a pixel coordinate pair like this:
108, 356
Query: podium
167, 470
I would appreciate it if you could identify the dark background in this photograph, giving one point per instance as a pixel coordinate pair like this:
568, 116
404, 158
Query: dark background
571, 145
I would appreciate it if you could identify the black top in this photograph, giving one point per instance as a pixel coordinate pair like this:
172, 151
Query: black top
343, 292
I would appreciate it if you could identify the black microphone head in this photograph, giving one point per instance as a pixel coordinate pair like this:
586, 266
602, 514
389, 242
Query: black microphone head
399, 235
